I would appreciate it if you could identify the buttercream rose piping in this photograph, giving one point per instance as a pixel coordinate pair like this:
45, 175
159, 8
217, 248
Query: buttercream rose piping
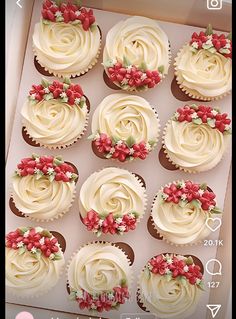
203, 114
125, 74
112, 147
52, 167
183, 192
37, 243
55, 11
65, 92
110, 224
176, 266
212, 42
101, 302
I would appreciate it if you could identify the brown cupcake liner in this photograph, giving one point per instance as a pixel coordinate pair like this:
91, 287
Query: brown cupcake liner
142, 183
36, 143
186, 170
159, 233
193, 94
102, 155
43, 292
70, 75
115, 86
139, 297
18, 213
125, 248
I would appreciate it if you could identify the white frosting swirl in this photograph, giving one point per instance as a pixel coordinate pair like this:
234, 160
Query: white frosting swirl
42, 199
168, 299
193, 147
140, 40
203, 74
53, 123
28, 276
98, 268
112, 190
180, 225
124, 115
65, 49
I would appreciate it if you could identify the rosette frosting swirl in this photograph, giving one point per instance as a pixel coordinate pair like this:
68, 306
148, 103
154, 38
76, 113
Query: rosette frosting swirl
54, 123
140, 40
203, 73
180, 225
66, 49
193, 147
40, 198
98, 268
123, 115
112, 190
27, 275
168, 298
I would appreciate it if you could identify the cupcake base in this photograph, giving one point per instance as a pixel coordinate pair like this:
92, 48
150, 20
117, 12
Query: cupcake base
165, 162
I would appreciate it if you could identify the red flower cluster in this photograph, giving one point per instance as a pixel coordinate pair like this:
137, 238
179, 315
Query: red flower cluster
133, 76
159, 266
121, 151
29, 165
218, 41
191, 192
69, 12
109, 225
56, 88
102, 302
204, 113
32, 240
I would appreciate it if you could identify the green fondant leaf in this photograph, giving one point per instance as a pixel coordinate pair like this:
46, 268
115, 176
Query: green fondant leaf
78, 3
211, 122
58, 2
143, 66
197, 121
67, 81
75, 22
216, 210
48, 96
224, 51
229, 36
22, 250
65, 86
23, 229
98, 233
81, 103
182, 203
194, 50
45, 21
194, 106
109, 155
93, 27
59, 19
168, 277
147, 273
209, 29
34, 156
203, 186
201, 285
108, 64
57, 161
57, 256
72, 295
207, 46
51, 178
227, 132
212, 50
91, 137
189, 260
123, 282
74, 176
183, 280
126, 62
115, 139
196, 203
45, 83
152, 142
130, 141
46, 233
161, 68
39, 175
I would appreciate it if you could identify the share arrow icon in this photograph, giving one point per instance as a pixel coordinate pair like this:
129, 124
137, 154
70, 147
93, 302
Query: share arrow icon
214, 309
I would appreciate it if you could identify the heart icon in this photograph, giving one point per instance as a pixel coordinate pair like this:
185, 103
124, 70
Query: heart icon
216, 223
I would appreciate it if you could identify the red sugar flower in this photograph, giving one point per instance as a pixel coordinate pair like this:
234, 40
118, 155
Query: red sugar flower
91, 220
158, 265
121, 293
185, 113
205, 112
117, 72
109, 225
140, 150
49, 247
153, 78
87, 18
38, 91
177, 267
103, 143
194, 273
207, 200
128, 222
86, 301
191, 191
121, 152
174, 194
222, 121
103, 304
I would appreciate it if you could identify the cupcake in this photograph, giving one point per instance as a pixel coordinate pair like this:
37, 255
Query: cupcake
55, 114
136, 54
43, 187
183, 210
203, 67
66, 41
112, 201
99, 277
34, 261
171, 285
196, 137
124, 127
